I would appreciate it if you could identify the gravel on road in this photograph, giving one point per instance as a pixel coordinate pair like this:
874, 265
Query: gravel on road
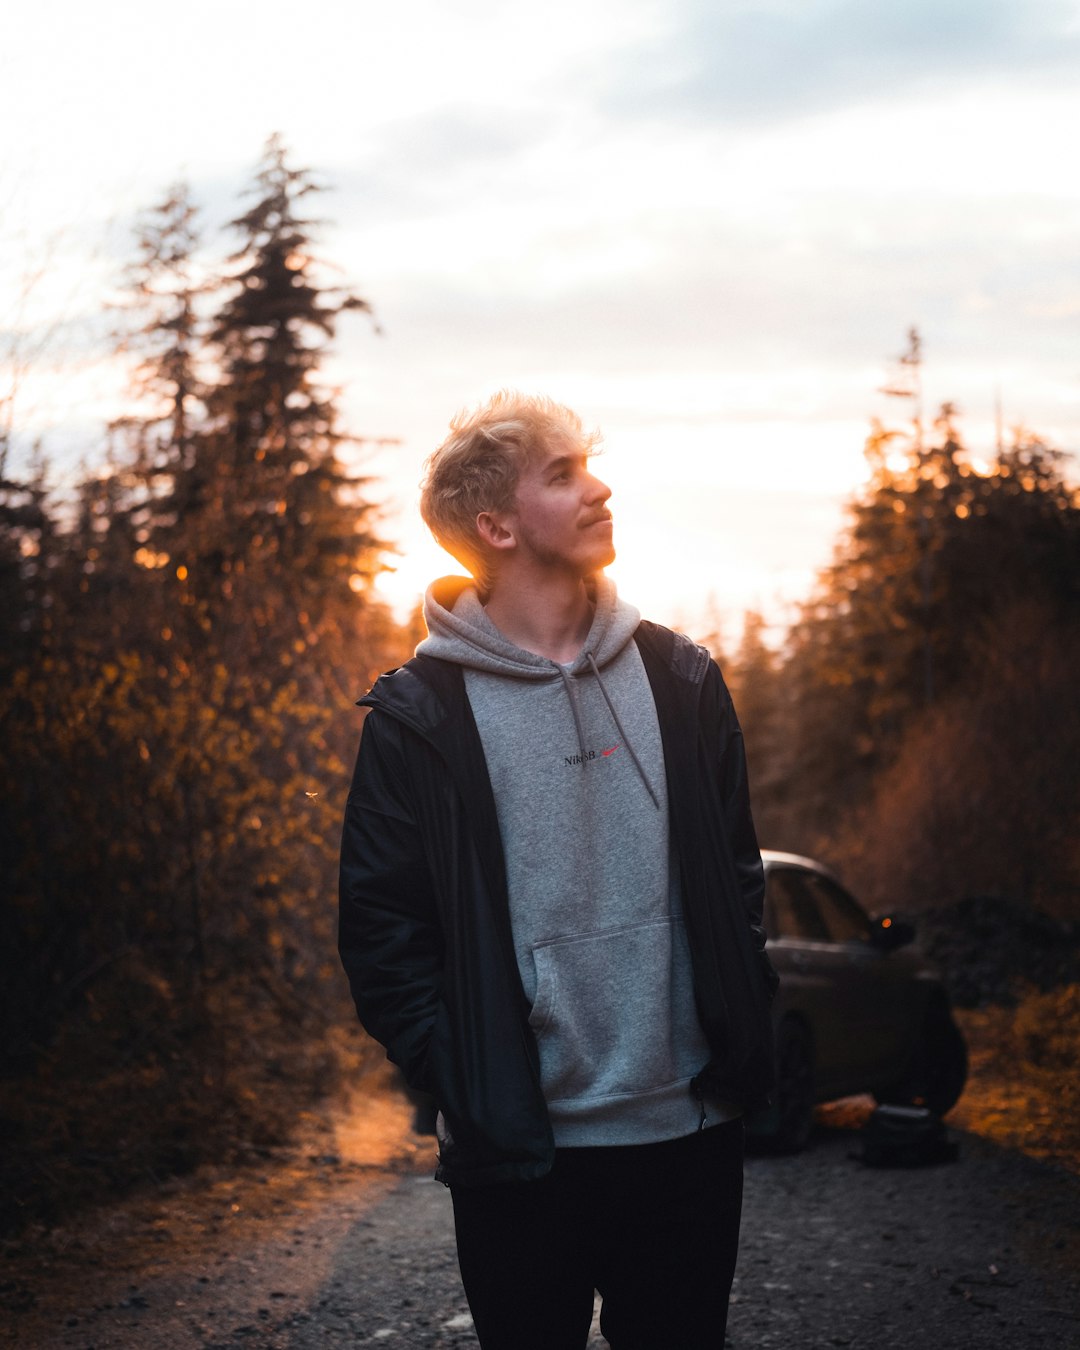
355, 1247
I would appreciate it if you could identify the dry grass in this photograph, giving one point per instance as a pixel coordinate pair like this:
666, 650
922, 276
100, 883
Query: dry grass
1023, 1087
98, 1119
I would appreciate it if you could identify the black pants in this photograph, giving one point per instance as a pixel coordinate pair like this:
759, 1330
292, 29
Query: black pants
653, 1227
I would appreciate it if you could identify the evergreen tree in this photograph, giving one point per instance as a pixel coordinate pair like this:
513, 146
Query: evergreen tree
180, 740
754, 679
267, 496
936, 551
28, 551
162, 293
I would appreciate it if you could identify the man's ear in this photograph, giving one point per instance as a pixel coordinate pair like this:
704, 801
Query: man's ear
496, 530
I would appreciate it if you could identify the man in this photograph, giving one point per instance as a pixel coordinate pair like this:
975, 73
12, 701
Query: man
551, 903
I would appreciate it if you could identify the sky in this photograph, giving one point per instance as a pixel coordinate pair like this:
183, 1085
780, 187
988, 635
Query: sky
707, 226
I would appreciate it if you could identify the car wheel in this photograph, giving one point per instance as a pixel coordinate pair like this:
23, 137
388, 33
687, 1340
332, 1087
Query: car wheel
784, 1127
936, 1075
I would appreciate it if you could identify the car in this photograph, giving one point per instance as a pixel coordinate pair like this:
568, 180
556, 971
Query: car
858, 1009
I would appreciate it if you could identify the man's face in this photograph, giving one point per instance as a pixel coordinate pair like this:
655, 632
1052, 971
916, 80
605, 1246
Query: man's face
560, 517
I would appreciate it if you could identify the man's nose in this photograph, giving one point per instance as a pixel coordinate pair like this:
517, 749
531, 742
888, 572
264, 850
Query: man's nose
598, 490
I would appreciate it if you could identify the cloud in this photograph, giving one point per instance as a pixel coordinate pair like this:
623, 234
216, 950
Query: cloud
419, 164
835, 284
762, 61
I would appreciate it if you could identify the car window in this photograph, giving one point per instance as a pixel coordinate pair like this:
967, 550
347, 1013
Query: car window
790, 909
842, 916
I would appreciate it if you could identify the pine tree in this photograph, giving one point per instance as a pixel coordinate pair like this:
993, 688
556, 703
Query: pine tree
180, 749
274, 503
162, 293
755, 684
936, 552
28, 552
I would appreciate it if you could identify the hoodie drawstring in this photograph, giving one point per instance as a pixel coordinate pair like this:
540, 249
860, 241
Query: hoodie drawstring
625, 739
574, 709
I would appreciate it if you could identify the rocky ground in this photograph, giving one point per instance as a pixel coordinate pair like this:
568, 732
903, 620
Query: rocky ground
347, 1241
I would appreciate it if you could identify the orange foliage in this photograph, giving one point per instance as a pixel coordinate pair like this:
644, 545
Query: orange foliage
1024, 1089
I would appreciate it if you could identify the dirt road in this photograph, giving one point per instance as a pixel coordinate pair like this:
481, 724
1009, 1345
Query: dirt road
353, 1245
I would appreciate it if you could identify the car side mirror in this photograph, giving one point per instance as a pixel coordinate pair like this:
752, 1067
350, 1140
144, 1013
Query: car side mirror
887, 932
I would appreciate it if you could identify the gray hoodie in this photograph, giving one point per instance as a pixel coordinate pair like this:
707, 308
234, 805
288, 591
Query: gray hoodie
577, 769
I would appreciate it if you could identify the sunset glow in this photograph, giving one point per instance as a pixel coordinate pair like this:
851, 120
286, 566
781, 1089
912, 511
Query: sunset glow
706, 229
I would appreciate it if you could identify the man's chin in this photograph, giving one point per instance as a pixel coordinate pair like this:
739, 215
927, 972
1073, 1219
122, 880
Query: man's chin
597, 570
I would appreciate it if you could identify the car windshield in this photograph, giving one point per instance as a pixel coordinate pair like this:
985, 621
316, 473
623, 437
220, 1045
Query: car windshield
790, 911
843, 919
803, 904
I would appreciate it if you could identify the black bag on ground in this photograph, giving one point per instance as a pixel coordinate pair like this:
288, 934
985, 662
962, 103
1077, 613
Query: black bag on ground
905, 1136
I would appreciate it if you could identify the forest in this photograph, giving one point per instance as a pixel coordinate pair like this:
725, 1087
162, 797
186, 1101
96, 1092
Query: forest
185, 636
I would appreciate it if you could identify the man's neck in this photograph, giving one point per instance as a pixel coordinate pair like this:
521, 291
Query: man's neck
548, 615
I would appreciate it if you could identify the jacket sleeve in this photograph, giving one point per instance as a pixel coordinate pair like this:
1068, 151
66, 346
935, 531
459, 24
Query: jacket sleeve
739, 823
389, 935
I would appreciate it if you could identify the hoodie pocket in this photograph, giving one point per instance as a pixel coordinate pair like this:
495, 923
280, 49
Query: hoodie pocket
614, 1012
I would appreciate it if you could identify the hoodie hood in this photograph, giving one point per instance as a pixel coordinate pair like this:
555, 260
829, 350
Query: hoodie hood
460, 631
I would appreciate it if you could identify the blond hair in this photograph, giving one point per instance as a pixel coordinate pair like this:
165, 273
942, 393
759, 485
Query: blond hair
478, 466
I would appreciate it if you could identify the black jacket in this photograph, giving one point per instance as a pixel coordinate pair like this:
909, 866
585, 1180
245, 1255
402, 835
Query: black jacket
425, 932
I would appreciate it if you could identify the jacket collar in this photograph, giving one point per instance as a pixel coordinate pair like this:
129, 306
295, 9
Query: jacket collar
426, 692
